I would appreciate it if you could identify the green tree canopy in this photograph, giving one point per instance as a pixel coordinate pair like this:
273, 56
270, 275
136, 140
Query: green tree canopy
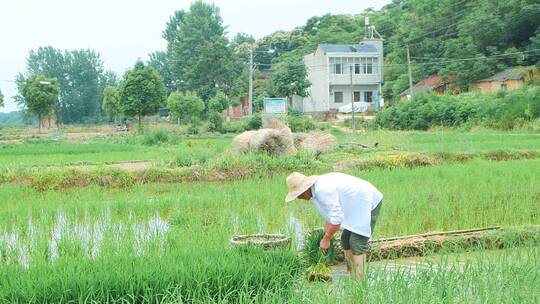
78, 73
199, 51
1, 99
290, 79
218, 103
160, 61
111, 102
185, 107
39, 95
141, 92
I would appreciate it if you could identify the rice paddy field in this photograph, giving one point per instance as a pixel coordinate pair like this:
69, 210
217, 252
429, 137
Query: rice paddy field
167, 240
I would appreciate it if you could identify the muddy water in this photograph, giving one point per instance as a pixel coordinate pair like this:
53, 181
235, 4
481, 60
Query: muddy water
412, 265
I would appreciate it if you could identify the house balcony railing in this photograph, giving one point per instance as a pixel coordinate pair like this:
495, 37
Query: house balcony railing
345, 79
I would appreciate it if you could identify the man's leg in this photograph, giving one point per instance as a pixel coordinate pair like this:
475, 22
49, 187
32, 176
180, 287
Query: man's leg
346, 246
359, 248
358, 266
348, 260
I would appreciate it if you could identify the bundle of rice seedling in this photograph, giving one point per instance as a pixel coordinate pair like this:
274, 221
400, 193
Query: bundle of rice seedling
273, 141
318, 142
312, 254
241, 141
319, 272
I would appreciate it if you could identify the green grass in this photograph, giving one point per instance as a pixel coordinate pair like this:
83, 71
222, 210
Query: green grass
193, 262
511, 276
448, 141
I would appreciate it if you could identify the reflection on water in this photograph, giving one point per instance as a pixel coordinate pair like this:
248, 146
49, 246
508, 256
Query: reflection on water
87, 238
296, 227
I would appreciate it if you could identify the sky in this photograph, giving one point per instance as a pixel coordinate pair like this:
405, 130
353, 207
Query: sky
123, 31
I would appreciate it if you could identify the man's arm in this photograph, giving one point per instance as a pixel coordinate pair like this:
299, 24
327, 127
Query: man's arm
329, 200
329, 231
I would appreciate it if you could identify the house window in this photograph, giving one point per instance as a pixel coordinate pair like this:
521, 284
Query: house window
368, 96
368, 64
338, 68
356, 96
369, 67
357, 68
338, 97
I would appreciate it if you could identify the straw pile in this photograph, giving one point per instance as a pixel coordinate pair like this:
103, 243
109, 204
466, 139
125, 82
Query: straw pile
241, 141
272, 141
315, 141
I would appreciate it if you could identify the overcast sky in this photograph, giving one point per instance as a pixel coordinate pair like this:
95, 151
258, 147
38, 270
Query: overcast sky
124, 30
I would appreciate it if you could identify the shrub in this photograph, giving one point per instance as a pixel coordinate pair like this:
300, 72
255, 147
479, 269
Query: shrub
215, 120
155, 137
300, 123
254, 122
234, 127
502, 110
193, 128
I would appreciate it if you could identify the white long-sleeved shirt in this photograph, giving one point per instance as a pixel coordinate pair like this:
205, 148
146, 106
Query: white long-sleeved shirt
346, 200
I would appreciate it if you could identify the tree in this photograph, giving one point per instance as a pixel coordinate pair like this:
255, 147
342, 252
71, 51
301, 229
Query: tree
160, 61
198, 50
111, 102
1, 99
291, 79
40, 95
218, 103
141, 92
79, 74
185, 107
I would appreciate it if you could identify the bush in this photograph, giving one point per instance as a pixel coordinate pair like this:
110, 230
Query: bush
234, 127
254, 122
502, 110
215, 120
194, 126
300, 123
155, 137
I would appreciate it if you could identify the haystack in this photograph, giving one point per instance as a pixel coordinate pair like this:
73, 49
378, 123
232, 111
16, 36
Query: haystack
273, 141
316, 141
241, 141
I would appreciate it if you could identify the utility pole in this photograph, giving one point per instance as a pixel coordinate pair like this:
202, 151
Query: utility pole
410, 72
250, 97
352, 100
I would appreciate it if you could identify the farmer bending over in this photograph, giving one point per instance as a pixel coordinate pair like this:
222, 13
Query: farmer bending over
345, 202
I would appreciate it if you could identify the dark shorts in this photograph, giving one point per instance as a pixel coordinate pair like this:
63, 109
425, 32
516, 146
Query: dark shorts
359, 243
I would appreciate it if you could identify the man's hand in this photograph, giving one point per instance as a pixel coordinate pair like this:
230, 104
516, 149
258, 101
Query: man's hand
324, 244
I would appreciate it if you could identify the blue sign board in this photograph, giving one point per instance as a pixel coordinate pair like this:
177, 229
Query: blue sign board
275, 105
376, 101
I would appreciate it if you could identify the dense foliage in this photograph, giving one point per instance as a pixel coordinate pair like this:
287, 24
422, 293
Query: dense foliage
496, 34
111, 102
141, 92
185, 107
503, 110
39, 95
81, 78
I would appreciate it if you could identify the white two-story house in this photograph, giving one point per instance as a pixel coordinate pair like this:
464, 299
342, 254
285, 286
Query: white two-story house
329, 71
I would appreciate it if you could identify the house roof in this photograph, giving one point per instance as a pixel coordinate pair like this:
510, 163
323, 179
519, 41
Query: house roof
512, 73
429, 84
348, 48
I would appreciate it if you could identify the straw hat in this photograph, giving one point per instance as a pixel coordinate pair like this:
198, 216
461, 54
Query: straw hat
298, 183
